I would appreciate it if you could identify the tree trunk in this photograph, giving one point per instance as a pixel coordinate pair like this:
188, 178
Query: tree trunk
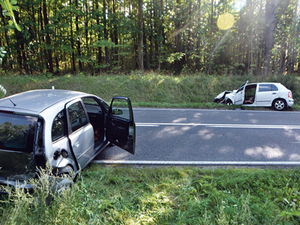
99, 55
105, 36
115, 36
72, 41
212, 13
78, 37
145, 50
141, 56
282, 57
250, 59
151, 51
21, 49
198, 38
293, 41
48, 39
178, 43
271, 8
41, 38
161, 34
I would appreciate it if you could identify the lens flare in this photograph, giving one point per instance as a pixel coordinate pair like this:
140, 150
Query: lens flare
225, 21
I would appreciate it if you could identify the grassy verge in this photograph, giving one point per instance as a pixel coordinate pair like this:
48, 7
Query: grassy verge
149, 89
169, 195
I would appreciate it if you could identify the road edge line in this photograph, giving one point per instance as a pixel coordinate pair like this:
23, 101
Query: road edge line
198, 163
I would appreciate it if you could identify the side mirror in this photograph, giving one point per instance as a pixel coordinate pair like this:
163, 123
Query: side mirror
117, 112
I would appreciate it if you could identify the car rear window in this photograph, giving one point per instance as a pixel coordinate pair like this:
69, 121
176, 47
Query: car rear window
17, 132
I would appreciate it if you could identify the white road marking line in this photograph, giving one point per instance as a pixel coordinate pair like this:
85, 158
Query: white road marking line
248, 126
200, 163
214, 110
147, 125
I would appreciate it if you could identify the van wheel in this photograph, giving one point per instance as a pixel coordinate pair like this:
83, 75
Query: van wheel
279, 104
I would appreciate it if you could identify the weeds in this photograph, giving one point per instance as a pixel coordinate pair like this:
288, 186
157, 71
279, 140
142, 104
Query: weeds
37, 205
168, 195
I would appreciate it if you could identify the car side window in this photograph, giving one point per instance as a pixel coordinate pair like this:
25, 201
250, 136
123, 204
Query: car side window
77, 116
265, 87
91, 105
274, 87
58, 126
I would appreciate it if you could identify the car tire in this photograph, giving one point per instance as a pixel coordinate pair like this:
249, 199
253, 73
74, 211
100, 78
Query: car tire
279, 104
66, 171
58, 185
229, 102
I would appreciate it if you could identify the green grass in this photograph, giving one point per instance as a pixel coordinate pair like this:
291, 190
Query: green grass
149, 89
165, 195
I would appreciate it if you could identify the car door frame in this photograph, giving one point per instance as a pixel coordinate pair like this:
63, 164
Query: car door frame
239, 96
120, 129
86, 154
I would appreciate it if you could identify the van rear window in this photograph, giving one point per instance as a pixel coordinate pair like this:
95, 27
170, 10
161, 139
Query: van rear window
17, 132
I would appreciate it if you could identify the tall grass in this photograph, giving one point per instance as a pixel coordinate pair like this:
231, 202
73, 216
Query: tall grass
148, 89
166, 195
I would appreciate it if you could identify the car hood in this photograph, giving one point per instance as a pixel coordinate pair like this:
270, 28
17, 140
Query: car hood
221, 94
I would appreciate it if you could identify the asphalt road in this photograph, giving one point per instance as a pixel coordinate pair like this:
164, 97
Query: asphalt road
212, 137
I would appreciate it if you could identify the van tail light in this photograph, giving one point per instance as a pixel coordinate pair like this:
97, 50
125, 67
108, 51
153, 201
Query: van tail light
290, 94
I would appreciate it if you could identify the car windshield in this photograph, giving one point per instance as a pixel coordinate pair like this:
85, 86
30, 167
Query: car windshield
17, 132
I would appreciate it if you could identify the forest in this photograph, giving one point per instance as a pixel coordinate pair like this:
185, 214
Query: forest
174, 36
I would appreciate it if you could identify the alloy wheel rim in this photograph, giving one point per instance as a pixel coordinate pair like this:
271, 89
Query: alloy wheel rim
279, 105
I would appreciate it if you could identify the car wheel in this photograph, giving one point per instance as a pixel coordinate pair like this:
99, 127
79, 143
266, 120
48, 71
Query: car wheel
57, 183
279, 104
229, 102
67, 171
68, 175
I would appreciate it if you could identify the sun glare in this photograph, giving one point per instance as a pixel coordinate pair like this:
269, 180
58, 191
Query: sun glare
225, 21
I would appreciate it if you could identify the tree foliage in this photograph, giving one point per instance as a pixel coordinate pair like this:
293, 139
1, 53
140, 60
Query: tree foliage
111, 36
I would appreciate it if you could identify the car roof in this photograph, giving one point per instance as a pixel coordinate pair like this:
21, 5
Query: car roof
265, 83
36, 101
279, 85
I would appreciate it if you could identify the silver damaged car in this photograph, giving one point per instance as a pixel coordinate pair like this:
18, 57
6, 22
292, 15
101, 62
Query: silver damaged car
65, 128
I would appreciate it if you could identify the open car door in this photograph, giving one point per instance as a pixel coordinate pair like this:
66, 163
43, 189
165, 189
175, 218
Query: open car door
240, 94
120, 126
